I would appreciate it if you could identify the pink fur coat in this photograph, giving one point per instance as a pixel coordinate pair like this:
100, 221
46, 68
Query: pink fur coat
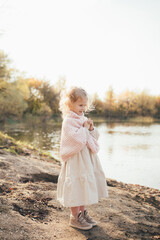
74, 137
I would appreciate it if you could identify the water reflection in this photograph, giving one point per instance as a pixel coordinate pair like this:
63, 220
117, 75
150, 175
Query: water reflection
128, 152
129, 133
131, 152
137, 147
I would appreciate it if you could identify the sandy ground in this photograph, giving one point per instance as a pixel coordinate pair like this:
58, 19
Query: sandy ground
29, 209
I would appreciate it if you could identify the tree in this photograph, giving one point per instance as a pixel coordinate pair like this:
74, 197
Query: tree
157, 106
127, 104
21, 85
5, 72
34, 99
146, 105
98, 103
12, 103
110, 102
44, 112
50, 96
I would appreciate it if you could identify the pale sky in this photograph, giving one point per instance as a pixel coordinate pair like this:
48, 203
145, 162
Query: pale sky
93, 43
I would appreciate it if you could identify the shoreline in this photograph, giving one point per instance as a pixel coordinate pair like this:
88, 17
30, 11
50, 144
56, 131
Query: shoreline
20, 148
135, 184
57, 120
133, 180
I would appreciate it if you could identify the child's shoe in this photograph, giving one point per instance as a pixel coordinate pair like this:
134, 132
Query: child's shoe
89, 219
79, 222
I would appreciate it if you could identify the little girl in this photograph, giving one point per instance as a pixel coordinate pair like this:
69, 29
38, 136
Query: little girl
81, 181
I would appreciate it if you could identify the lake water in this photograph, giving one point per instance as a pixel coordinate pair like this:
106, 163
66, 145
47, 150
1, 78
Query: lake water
128, 152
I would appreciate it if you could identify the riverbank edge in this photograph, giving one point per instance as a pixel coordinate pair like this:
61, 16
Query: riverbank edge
57, 120
19, 148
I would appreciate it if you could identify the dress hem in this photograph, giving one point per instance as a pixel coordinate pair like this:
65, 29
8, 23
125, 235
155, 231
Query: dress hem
81, 204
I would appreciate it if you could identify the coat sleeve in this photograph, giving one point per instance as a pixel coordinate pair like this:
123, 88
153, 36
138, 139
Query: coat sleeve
95, 133
73, 139
92, 142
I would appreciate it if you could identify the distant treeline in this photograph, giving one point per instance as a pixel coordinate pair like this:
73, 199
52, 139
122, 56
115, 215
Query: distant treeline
21, 96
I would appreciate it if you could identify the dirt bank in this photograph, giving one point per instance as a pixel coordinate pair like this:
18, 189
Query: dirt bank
29, 209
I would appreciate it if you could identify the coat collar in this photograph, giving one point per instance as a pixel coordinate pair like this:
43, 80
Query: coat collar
75, 115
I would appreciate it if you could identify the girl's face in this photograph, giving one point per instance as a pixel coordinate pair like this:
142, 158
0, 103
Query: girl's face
79, 106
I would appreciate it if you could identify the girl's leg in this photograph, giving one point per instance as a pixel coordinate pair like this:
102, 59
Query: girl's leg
82, 208
75, 210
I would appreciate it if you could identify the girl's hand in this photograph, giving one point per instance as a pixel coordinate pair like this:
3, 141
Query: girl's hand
86, 124
90, 121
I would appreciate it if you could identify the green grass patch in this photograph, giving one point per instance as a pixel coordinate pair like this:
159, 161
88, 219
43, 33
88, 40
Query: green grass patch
9, 144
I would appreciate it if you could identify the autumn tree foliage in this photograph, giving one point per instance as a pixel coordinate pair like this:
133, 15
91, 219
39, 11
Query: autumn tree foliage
12, 103
110, 103
34, 99
5, 72
146, 105
157, 107
49, 96
21, 96
43, 98
98, 105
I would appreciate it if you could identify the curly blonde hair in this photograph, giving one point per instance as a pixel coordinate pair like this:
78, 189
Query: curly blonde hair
70, 96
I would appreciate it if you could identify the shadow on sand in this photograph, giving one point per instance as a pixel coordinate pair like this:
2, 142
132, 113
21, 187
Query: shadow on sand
96, 233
